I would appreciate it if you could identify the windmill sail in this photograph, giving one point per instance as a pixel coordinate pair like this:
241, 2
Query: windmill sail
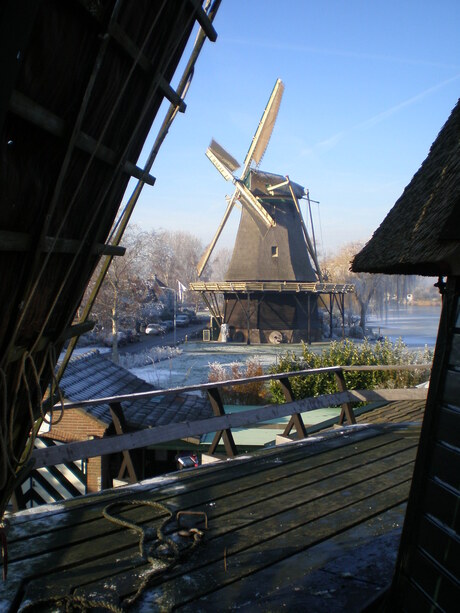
226, 164
217, 152
265, 128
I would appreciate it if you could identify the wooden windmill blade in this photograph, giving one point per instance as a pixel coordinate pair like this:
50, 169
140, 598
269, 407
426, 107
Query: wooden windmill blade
226, 164
264, 131
207, 254
246, 197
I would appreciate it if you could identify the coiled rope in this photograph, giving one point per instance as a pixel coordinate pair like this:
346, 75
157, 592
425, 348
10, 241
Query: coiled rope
160, 551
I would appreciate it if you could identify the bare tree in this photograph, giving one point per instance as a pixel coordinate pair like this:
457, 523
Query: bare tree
337, 269
124, 290
220, 263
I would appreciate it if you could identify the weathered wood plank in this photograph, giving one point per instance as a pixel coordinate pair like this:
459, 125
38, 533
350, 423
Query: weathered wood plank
74, 451
349, 568
242, 560
331, 446
266, 480
242, 499
254, 524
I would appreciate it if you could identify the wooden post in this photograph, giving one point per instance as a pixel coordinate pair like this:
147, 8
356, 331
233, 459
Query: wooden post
248, 342
296, 420
226, 435
331, 306
347, 409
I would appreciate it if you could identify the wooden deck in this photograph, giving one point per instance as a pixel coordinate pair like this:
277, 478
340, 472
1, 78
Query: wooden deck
311, 525
393, 412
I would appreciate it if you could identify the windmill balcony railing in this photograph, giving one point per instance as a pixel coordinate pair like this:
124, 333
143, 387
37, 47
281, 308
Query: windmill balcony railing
221, 423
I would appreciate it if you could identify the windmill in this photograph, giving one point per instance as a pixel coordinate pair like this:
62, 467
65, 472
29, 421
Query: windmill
270, 288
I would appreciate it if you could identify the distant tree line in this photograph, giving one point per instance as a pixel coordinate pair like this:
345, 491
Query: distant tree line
376, 292
157, 261
146, 279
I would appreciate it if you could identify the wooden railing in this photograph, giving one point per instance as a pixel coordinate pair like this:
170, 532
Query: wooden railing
222, 423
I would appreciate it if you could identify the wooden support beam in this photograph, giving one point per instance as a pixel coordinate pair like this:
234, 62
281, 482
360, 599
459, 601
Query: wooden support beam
119, 423
204, 21
347, 409
225, 434
296, 420
171, 432
20, 242
27, 109
130, 47
16, 353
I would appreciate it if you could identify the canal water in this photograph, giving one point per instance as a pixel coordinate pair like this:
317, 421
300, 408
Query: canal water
416, 325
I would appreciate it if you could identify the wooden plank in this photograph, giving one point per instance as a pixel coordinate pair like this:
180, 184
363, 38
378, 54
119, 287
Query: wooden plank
119, 422
449, 426
29, 110
239, 527
398, 411
445, 465
230, 504
21, 241
440, 588
243, 557
331, 445
440, 544
206, 487
340, 570
226, 434
442, 503
204, 21
205, 490
347, 409
161, 434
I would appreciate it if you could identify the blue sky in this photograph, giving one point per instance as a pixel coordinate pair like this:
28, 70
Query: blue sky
368, 86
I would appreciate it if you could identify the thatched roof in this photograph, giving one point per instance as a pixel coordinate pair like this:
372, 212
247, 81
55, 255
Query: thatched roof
421, 233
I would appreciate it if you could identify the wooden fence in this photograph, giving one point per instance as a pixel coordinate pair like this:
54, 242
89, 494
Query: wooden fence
221, 423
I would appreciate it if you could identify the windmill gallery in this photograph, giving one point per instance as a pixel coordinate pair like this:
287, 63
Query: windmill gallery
273, 286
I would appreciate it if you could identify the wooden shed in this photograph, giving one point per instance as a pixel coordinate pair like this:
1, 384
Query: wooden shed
421, 235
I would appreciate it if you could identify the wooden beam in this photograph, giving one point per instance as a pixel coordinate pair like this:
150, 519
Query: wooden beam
204, 21
32, 112
299, 373
174, 431
20, 242
130, 47
119, 423
16, 353
296, 420
226, 434
347, 409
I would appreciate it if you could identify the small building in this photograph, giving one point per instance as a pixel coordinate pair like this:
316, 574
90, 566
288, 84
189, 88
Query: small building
421, 235
89, 376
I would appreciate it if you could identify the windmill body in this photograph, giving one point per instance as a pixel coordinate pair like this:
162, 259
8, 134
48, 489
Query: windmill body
270, 291
276, 253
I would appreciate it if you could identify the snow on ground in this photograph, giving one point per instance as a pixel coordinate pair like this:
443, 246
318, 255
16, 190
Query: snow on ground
192, 365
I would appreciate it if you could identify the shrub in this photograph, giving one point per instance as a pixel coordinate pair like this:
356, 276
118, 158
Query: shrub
249, 393
150, 356
346, 353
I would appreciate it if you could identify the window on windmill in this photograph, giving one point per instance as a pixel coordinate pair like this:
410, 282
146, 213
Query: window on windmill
274, 251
